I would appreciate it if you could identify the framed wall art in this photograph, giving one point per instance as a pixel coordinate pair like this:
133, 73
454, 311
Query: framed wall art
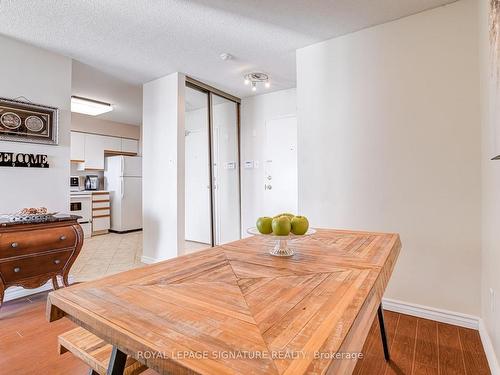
22, 121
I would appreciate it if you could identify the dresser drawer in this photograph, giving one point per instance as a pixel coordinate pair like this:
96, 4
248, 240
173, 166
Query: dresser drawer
23, 268
34, 241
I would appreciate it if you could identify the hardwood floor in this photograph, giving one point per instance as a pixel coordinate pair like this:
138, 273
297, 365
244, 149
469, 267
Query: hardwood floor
421, 346
418, 346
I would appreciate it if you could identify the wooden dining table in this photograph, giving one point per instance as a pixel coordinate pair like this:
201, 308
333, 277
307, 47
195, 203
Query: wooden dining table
235, 309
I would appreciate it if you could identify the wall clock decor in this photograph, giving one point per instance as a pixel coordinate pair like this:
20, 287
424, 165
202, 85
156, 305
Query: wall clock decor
22, 121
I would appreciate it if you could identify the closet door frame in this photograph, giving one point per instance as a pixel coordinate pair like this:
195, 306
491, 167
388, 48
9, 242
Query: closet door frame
210, 91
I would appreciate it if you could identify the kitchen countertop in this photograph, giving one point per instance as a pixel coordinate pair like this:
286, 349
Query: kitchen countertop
87, 192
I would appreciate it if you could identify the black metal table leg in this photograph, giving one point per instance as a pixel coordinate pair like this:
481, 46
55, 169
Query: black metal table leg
117, 362
381, 323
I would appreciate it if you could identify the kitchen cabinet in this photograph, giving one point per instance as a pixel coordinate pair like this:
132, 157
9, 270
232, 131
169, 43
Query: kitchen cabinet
89, 149
112, 144
94, 151
77, 147
129, 145
101, 214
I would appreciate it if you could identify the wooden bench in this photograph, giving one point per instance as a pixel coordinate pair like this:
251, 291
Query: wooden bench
94, 351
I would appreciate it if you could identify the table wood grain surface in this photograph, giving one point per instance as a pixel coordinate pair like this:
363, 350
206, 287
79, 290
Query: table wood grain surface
235, 309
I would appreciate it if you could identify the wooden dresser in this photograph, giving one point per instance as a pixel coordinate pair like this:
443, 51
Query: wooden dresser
32, 254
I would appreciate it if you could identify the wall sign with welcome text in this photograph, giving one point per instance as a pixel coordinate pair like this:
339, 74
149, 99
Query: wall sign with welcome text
11, 159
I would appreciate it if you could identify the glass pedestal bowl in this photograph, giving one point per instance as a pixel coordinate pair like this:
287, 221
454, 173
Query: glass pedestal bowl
281, 248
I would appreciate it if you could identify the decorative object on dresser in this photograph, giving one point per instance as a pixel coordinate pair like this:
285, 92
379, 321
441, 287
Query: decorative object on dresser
23, 121
33, 253
101, 212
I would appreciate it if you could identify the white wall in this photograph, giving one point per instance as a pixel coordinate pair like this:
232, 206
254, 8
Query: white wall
44, 78
93, 124
255, 111
490, 120
389, 140
163, 167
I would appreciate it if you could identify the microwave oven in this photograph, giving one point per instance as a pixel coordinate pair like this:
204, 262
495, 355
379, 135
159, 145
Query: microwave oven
76, 183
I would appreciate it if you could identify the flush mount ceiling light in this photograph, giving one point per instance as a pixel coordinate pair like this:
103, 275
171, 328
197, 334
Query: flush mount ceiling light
226, 56
257, 78
89, 106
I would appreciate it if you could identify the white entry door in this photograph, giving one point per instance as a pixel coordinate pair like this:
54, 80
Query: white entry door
280, 166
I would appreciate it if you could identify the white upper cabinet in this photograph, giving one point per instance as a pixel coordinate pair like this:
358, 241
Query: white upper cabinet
94, 151
77, 146
89, 149
112, 143
130, 145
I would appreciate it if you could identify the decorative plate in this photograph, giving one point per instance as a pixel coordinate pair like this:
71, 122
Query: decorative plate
10, 120
29, 218
34, 123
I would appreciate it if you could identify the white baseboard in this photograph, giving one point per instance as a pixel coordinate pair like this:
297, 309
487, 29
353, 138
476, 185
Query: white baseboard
148, 260
439, 315
450, 317
488, 349
16, 292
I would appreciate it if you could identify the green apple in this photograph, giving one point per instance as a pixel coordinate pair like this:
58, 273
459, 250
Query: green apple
300, 225
289, 215
265, 225
281, 226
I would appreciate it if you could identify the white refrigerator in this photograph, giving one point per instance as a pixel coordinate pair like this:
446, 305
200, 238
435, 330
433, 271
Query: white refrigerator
123, 180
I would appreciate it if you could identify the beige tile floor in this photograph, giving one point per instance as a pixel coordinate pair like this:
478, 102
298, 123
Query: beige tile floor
112, 253
108, 254
191, 246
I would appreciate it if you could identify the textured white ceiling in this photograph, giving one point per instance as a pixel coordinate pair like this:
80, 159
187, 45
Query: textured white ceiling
140, 40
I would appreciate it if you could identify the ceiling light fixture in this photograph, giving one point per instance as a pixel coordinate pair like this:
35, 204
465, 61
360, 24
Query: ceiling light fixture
89, 106
226, 56
257, 78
